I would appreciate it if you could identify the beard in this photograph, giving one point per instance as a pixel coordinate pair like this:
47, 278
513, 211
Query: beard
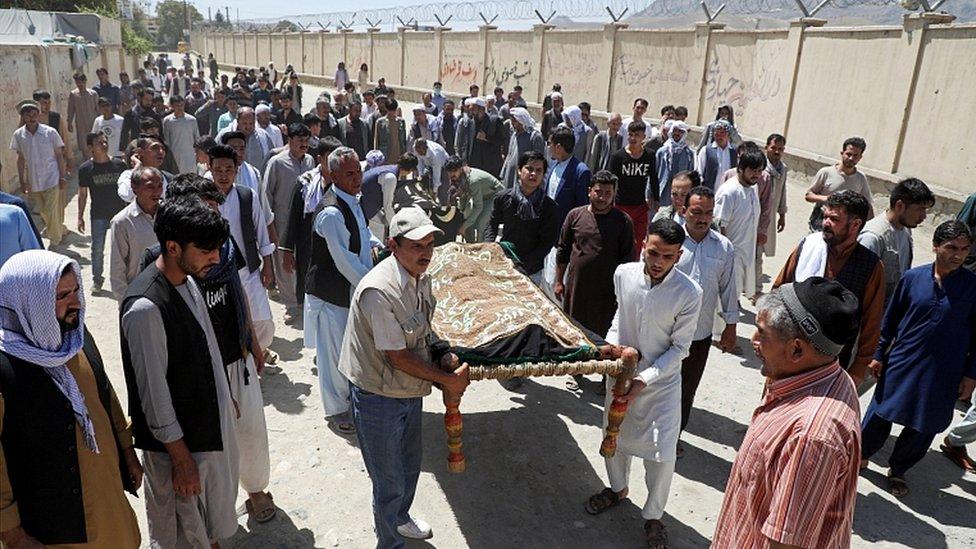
72, 324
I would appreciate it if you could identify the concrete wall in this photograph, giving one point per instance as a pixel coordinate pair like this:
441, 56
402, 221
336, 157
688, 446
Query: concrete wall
899, 87
49, 67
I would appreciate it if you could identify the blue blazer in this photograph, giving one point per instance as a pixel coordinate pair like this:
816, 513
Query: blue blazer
573, 190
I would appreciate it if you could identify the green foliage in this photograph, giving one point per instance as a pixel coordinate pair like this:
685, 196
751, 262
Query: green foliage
171, 19
133, 42
285, 25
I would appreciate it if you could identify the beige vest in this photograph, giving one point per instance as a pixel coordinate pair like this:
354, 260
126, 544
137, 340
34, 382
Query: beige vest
360, 361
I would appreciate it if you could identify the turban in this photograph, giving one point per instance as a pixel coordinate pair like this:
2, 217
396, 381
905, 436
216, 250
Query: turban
375, 158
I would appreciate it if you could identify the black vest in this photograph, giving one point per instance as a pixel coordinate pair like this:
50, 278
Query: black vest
189, 374
245, 200
855, 276
323, 279
39, 444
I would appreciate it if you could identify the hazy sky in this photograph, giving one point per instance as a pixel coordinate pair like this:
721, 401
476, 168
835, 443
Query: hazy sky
263, 8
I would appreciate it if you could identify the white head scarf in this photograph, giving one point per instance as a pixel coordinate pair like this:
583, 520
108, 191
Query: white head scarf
29, 328
523, 117
575, 117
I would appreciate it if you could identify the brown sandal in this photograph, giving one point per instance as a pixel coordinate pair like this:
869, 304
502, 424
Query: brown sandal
897, 487
599, 503
264, 513
656, 534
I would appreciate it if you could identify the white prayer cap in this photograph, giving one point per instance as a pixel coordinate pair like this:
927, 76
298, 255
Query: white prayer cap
478, 101
556, 95
262, 108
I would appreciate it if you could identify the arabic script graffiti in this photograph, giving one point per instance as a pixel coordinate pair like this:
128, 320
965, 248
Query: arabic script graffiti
513, 74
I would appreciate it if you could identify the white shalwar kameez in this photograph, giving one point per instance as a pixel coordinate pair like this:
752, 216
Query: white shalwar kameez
257, 294
660, 321
325, 323
737, 215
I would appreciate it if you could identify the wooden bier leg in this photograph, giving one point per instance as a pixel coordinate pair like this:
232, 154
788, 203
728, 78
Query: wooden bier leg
454, 426
618, 407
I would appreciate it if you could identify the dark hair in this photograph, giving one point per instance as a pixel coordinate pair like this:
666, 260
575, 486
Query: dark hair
912, 191
637, 126
175, 99
853, 203
950, 230
41, 94
690, 175
557, 86
681, 110
751, 157
449, 102
228, 136
348, 86
517, 87
102, 102
188, 220
499, 89
603, 177
641, 100
191, 184
92, 136
392, 105
453, 163
204, 143
299, 130
532, 156
222, 151
563, 137
669, 231
310, 120
584, 106
702, 191
474, 87
325, 147
146, 123
408, 161
666, 109
856, 142
775, 138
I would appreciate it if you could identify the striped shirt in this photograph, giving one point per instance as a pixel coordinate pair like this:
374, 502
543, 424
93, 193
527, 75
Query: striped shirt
794, 480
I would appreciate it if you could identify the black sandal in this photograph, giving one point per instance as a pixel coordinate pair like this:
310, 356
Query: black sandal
656, 534
599, 503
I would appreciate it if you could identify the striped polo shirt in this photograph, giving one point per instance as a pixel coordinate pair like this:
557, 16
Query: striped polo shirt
794, 480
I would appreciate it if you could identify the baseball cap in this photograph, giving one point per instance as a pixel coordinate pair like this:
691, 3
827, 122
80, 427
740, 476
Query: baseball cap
412, 223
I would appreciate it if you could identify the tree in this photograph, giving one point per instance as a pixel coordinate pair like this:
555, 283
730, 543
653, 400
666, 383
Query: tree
171, 19
285, 25
219, 22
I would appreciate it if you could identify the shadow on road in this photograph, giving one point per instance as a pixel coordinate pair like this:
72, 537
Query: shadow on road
528, 479
280, 532
279, 391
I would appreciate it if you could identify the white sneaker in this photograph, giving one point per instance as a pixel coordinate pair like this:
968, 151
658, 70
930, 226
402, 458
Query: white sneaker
415, 529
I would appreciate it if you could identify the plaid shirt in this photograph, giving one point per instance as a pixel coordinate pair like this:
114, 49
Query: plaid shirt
794, 480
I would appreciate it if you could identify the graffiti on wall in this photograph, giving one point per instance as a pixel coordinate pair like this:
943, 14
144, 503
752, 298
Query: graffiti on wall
728, 80
506, 75
459, 70
633, 71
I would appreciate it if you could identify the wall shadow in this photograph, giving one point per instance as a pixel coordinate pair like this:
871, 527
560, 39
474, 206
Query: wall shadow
527, 478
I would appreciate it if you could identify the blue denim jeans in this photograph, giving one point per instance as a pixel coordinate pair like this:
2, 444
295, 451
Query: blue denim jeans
98, 229
388, 430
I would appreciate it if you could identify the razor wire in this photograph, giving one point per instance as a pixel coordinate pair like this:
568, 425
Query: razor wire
526, 10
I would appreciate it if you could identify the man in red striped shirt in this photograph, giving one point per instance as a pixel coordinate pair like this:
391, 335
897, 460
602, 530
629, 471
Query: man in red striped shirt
794, 480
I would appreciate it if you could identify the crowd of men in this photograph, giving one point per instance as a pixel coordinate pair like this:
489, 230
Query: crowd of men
221, 193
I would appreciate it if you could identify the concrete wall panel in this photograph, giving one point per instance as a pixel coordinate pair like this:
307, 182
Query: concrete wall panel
240, 50
420, 58
293, 51
313, 53
264, 50
333, 52
663, 67
463, 62
386, 58
357, 53
510, 62
278, 53
943, 154
751, 71
19, 61
851, 83
576, 60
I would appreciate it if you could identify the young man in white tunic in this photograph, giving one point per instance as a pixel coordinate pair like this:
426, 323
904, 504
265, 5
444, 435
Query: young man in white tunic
657, 313
737, 215
182, 412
